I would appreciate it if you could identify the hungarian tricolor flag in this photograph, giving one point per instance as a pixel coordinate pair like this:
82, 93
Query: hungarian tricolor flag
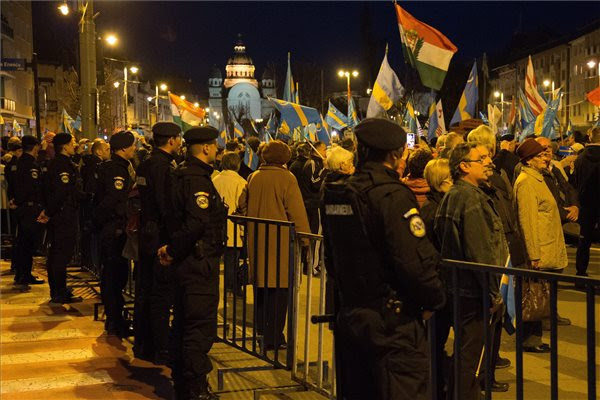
426, 48
184, 112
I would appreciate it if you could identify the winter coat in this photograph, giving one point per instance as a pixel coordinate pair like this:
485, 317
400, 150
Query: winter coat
587, 176
419, 187
539, 220
272, 193
230, 186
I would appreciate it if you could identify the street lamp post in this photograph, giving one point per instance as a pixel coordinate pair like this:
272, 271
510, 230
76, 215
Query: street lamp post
501, 96
87, 51
162, 87
593, 63
133, 70
342, 73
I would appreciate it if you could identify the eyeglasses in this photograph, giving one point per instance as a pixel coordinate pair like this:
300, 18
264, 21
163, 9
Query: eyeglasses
480, 161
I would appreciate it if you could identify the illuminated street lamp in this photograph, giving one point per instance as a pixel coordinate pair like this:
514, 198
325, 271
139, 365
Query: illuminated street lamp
64, 9
196, 105
111, 39
182, 97
116, 84
163, 87
347, 74
591, 64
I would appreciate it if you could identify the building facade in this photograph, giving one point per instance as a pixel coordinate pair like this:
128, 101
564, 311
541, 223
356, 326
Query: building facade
240, 95
16, 86
571, 65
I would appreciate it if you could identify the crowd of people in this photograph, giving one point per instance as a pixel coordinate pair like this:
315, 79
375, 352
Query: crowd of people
387, 213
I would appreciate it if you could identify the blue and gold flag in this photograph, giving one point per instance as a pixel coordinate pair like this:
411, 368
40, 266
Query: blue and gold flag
387, 90
294, 118
289, 89
352, 116
468, 100
335, 118
250, 158
238, 130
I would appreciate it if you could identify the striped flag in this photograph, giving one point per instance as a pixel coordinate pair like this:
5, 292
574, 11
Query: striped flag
352, 117
387, 90
535, 100
512, 115
222, 138
544, 123
468, 100
409, 118
569, 129
335, 118
250, 158
295, 117
238, 130
507, 290
594, 97
437, 126
289, 90
426, 48
184, 112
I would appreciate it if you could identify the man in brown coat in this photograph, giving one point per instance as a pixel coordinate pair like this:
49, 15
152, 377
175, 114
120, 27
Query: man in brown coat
272, 193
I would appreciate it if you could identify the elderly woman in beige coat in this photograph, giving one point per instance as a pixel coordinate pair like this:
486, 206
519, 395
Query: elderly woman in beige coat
272, 193
539, 221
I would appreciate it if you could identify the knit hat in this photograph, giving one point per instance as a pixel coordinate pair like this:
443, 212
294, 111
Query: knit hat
121, 140
276, 152
62, 139
529, 149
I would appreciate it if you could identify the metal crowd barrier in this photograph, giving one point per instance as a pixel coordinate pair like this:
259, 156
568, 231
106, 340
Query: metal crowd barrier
253, 306
591, 286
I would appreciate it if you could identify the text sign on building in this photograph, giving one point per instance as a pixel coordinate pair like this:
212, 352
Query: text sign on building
13, 64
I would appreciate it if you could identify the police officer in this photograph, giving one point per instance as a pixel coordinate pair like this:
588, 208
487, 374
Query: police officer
62, 207
10, 171
384, 269
114, 182
195, 249
153, 290
31, 218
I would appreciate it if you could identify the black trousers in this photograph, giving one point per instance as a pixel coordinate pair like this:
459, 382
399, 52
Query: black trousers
271, 310
29, 238
142, 323
115, 271
381, 358
162, 297
588, 218
62, 232
195, 321
471, 345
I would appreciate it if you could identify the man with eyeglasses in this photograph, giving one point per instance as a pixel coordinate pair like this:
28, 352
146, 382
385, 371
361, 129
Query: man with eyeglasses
469, 228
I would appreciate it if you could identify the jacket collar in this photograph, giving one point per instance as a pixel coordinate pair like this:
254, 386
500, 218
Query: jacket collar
160, 152
120, 160
194, 161
272, 167
533, 173
376, 167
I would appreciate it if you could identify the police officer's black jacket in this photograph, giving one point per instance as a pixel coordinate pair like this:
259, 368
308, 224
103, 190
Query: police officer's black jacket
89, 172
61, 186
10, 171
587, 176
113, 183
28, 188
204, 215
311, 181
154, 178
382, 248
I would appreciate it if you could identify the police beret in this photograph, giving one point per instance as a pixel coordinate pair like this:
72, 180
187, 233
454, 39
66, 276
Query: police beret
121, 140
14, 146
168, 129
380, 134
29, 140
200, 134
62, 139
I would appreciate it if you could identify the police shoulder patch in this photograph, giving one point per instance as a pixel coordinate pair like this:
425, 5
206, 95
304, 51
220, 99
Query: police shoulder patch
202, 199
140, 180
417, 226
34, 173
64, 177
119, 182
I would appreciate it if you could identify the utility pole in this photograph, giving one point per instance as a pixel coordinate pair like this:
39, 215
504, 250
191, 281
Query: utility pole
87, 64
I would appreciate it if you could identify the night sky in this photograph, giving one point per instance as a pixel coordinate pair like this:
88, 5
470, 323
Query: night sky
179, 42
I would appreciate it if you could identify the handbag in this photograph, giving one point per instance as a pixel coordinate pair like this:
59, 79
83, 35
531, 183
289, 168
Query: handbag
535, 300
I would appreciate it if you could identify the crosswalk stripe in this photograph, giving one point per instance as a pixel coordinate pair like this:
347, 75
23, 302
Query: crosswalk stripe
41, 318
9, 337
55, 382
45, 356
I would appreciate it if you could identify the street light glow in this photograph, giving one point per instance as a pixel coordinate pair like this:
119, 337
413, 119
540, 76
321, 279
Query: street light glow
163, 87
496, 94
207, 109
182, 97
111, 39
341, 73
64, 9
591, 64
116, 84
134, 69
355, 73
149, 98
196, 105
546, 82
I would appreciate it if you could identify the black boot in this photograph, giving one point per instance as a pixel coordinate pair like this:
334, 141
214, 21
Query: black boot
201, 391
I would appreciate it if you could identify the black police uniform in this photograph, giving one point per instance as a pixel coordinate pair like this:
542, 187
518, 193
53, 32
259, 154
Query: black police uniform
62, 207
154, 283
89, 239
29, 198
10, 172
384, 269
114, 183
196, 248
